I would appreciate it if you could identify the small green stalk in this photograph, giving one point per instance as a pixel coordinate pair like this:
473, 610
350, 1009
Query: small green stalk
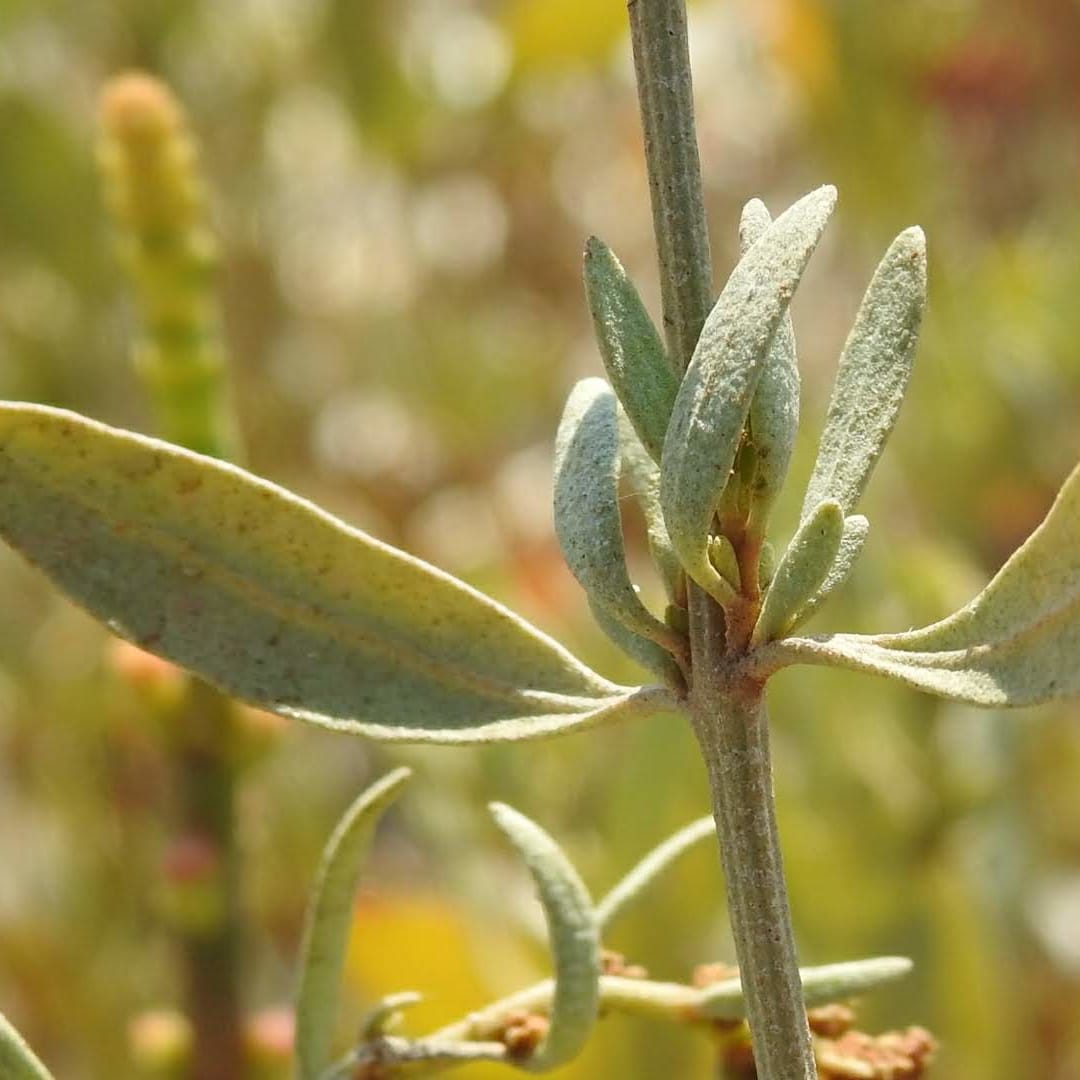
728, 715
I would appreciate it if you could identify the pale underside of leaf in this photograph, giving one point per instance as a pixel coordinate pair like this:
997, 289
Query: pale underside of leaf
574, 939
633, 354
17, 1060
774, 409
801, 571
642, 474
588, 522
329, 920
714, 398
275, 601
872, 376
1016, 643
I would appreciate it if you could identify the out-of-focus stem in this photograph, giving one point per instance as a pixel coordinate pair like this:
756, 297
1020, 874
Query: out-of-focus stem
152, 186
729, 716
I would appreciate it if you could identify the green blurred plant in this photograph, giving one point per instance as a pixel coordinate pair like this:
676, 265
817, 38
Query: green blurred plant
275, 602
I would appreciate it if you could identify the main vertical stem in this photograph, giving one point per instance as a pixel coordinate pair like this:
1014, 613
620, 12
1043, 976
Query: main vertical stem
729, 715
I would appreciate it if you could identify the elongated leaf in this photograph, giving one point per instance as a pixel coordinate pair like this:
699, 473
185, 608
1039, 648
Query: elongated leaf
820, 985
774, 408
1016, 643
624, 894
643, 476
273, 600
714, 397
633, 354
640, 649
17, 1060
329, 918
801, 571
872, 376
587, 519
575, 939
854, 536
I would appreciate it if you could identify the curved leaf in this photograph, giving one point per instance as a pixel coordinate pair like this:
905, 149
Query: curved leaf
643, 476
872, 376
774, 408
640, 649
802, 569
1016, 643
575, 940
820, 985
856, 529
275, 601
630, 888
587, 519
714, 397
17, 1060
329, 917
633, 354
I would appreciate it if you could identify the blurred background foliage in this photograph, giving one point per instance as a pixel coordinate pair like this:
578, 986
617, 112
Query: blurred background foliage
401, 190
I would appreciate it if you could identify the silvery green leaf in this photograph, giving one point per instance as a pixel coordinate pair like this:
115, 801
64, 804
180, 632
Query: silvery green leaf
17, 1060
801, 571
820, 985
640, 649
643, 476
629, 889
774, 409
329, 918
587, 518
856, 528
575, 940
872, 376
714, 398
275, 601
633, 354
1016, 643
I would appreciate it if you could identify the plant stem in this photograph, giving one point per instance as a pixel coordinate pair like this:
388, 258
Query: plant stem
728, 714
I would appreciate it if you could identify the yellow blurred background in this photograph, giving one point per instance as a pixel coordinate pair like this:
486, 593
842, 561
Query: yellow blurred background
402, 190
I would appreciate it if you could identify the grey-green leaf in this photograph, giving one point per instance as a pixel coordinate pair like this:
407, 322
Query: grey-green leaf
774, 409
856, 529
329, 918
587, 519
714, 398
640, 649
643, 476
633, 354
872, 376
801, 571
629, 889
1016, 643
275, 601
820, 985
575, 940
17, 1060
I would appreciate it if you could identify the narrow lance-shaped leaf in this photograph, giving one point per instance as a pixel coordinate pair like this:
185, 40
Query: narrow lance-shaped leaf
628, 890
643, 476
1016, 643
633, 354
820, 985
801, 571
714, 398
587, 519
17, 1060
575, 940
275, 601
872, 376
774, 409
856, 528
329, 918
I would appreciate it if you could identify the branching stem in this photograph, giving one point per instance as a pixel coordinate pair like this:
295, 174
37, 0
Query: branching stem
728, 714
